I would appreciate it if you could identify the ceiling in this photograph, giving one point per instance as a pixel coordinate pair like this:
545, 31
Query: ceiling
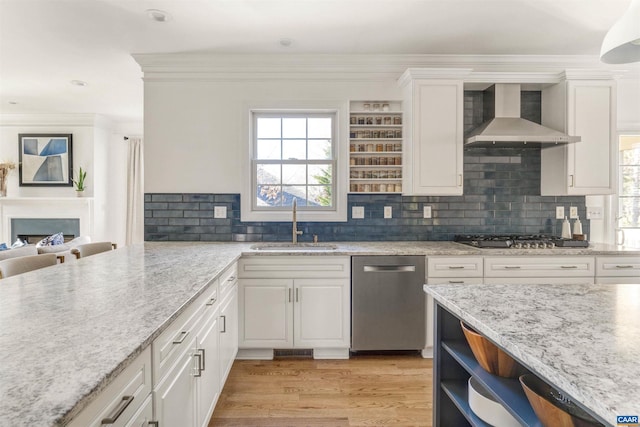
44, 44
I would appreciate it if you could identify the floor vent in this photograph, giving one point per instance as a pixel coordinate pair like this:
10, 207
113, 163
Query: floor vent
293, 353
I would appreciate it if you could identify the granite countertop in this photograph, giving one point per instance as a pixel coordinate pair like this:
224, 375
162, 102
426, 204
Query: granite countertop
66, 331
584, 339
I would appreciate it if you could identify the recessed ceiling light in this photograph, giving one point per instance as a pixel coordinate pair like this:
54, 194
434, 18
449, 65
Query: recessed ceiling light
285, 42
157, 15
78, 83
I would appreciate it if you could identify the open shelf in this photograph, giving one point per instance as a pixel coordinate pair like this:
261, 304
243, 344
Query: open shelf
458, 392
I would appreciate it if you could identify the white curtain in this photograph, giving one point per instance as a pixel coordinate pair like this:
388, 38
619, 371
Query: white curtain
135, 192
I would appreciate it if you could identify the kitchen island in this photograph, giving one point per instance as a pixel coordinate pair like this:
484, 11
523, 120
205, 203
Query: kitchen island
67, 331
582, 339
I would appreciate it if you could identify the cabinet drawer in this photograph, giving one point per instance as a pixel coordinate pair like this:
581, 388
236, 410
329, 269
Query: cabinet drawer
228, 279
615, 266
454, 280
543, 266
121, 399
173, 341
454, 267
299, 267
539, 281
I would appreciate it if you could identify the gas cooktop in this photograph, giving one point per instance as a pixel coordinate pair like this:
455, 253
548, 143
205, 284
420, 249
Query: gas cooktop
519, 241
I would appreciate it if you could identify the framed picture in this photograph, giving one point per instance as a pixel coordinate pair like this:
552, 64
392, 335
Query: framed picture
45, 160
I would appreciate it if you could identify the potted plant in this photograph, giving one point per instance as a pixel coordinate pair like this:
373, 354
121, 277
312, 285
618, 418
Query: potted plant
79, 182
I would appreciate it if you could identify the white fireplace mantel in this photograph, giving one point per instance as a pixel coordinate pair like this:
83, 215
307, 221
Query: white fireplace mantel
45, 207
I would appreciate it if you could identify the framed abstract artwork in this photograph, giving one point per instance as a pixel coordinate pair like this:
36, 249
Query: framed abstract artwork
45, 160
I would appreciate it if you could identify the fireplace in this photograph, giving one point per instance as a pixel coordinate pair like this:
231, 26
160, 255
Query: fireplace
32, 230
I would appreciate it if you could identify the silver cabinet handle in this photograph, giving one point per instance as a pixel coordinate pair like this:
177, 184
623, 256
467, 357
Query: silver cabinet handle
571, 181
568, 266
231, 279
154, 423
624, 266
211, 301
197, 371
289, 294
456, 267
181, 337
297, 295
224, 324
389, 268
459, 180
456, 281
117, 411
202, 359
511, 267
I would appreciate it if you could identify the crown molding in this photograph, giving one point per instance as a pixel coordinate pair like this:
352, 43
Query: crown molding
260, 67
90, 120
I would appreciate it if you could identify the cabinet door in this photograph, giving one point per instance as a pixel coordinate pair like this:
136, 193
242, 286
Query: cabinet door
267, 313
143, 416
208, 381
321, 313
228, 334
434, 154
586, 167
175, 397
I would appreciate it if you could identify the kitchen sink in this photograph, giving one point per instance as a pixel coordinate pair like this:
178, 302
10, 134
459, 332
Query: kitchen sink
288, 247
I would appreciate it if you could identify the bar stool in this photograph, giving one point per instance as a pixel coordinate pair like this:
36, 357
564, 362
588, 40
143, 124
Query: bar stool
88, 249
12, 266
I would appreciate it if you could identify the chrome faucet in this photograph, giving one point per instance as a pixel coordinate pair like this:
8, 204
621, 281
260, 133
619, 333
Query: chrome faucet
295, 233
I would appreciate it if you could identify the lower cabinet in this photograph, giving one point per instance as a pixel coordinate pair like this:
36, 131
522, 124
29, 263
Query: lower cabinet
294, 303
228, 333
539, 270
617, 269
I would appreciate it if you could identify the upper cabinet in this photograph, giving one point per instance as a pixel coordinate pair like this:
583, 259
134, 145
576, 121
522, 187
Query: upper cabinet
433, 129
586, 108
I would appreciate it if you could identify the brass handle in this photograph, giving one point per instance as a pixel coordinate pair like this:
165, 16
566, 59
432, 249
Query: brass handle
211, 301
117, 411
181, 337
197, 371
224, 324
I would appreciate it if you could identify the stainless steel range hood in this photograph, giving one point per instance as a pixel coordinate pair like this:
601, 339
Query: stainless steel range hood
507, 128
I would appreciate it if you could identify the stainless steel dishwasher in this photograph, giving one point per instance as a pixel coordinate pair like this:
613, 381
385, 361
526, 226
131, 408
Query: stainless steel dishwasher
387, 303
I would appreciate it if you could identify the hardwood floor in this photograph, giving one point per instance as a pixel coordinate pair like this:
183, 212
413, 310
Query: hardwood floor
362, 391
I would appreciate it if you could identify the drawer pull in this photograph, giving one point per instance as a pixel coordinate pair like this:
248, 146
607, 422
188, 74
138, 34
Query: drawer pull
456, 267
289, 294
231, 279
202, 358
211, 301
297, 295
118, 410
154, 423
197, 371
181, 337
568, 266
224, 324
624, 266
511, 267
456, 281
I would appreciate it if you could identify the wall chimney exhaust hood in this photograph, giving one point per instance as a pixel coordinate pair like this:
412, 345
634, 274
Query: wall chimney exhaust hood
506, 128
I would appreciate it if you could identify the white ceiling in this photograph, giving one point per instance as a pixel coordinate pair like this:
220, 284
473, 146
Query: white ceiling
44, 44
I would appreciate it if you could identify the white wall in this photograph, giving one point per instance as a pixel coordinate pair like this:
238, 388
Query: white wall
194, 137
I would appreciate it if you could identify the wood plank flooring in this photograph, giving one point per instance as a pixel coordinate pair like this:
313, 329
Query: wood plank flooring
362, 391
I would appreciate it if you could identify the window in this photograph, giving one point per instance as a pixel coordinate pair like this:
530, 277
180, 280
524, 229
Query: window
629, 191
294, 155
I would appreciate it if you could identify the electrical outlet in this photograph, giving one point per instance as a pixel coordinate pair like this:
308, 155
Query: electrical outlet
426, 211
388, 212
594, 212
357, 212
559, 212
219, 211
573, 212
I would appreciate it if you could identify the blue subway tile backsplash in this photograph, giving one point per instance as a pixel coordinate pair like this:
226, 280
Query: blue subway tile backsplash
501, 196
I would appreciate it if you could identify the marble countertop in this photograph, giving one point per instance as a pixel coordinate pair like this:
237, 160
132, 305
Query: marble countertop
66, 331
584, 339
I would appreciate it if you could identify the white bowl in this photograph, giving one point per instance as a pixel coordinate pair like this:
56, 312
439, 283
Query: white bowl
487, 408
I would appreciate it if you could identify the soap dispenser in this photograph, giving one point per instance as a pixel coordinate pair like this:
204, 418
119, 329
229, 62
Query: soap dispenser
566, 229
577, 226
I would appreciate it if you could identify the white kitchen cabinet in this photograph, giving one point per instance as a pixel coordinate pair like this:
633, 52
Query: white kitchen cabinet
584, 108
617, 269
208, 372
228, 333
294, 302
539, 270
120, 403
433, 129
144, 416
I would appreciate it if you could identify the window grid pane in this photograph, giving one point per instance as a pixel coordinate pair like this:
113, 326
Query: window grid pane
295, 165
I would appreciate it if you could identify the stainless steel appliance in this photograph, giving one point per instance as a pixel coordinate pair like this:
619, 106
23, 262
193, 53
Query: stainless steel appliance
387, 303
528, 241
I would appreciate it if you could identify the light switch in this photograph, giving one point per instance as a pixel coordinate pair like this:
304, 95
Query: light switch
388, 212
594, 212
357, 212
426, 211
219, 211
559, 212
